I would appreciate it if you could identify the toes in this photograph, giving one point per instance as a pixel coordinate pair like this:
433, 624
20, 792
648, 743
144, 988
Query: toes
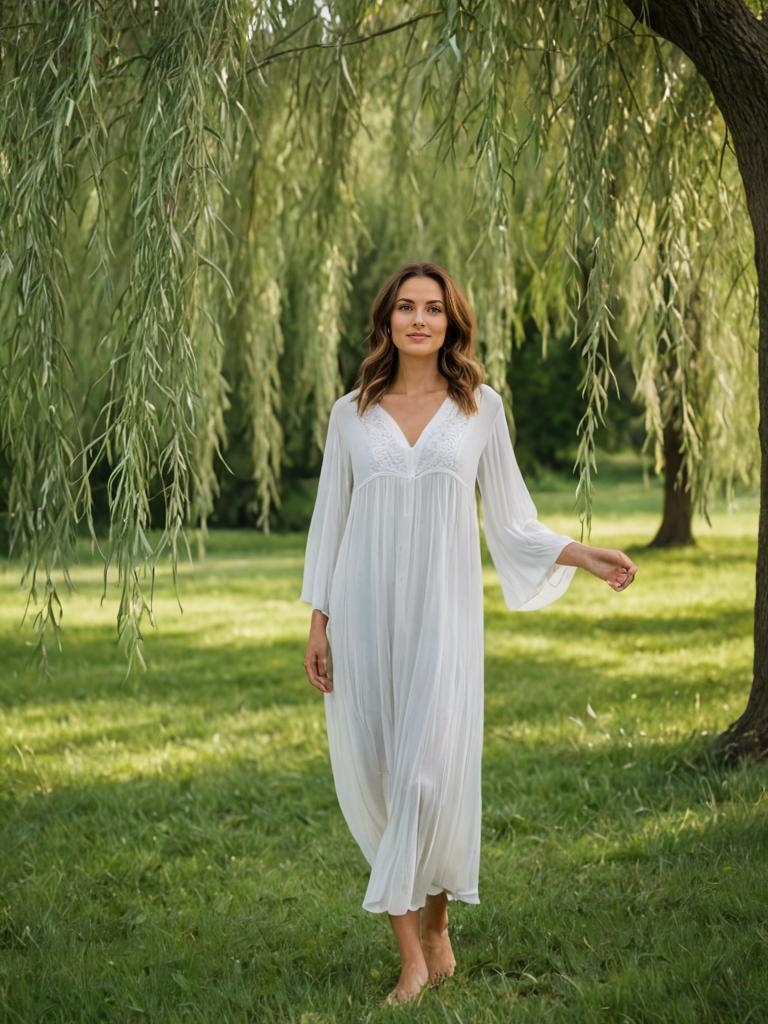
437, 977
393, 999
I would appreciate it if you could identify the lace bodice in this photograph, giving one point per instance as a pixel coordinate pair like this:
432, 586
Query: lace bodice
442, 445
437, 448
386, 453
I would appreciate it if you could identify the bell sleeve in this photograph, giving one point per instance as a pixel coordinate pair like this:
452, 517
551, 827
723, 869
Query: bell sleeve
329, 517
524, 551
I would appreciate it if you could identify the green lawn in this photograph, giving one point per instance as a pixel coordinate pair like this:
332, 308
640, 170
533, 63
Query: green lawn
173, 850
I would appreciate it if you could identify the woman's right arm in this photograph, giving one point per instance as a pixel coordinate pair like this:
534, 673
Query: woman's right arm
329, 517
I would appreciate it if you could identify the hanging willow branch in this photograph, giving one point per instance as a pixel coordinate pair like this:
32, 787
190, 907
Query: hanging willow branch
49, 114
154, 415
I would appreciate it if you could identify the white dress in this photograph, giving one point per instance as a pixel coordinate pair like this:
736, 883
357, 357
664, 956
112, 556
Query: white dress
393, 559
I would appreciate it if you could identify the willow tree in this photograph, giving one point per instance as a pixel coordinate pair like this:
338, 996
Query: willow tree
176, 134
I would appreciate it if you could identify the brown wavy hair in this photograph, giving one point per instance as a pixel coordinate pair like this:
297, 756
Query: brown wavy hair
455, 360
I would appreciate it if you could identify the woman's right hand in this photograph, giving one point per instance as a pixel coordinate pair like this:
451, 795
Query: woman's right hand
317, 658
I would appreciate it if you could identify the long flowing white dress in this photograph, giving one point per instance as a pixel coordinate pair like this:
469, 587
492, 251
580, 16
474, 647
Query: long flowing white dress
393, 560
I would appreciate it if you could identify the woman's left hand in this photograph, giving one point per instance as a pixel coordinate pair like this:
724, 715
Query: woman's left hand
609, 564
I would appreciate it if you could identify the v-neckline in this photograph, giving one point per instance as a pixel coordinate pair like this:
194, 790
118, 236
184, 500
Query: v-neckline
424, 429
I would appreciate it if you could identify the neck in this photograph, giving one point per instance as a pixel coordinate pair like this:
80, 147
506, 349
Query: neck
418, 375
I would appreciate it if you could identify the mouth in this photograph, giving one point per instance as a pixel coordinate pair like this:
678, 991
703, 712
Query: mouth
417, 336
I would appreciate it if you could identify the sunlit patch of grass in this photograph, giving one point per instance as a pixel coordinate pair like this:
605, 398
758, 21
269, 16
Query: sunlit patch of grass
173, 848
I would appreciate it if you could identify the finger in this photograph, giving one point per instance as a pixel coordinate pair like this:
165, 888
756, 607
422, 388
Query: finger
327, 679
318, 683
626, 573
313, 674
626, 563
321, 669
630, 564
630, 577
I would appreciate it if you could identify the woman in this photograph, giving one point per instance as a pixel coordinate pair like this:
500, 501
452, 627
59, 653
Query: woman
393, 574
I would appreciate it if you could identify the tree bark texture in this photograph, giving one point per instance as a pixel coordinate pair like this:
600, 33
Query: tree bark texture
729, 47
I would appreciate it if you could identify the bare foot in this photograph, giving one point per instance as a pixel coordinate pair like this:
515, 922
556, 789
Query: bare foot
409, 985
438, 953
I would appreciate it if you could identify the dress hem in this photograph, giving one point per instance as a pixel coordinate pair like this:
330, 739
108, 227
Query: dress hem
464, 897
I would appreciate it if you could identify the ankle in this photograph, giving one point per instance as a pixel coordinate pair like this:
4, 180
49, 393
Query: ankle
413, 963
414, 972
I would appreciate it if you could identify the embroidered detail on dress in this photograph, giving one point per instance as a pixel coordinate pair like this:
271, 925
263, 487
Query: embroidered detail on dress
442, 446
387, 455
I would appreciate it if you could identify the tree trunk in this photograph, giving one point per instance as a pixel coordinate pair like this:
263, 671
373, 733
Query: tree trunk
749, 733
675, 527
729, 46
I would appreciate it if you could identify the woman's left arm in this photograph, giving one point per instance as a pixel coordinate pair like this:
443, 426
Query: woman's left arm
609, 564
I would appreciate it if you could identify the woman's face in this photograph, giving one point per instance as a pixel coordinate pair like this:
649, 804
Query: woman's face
418, 319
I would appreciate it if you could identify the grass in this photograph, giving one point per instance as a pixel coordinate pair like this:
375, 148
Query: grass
173, 850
